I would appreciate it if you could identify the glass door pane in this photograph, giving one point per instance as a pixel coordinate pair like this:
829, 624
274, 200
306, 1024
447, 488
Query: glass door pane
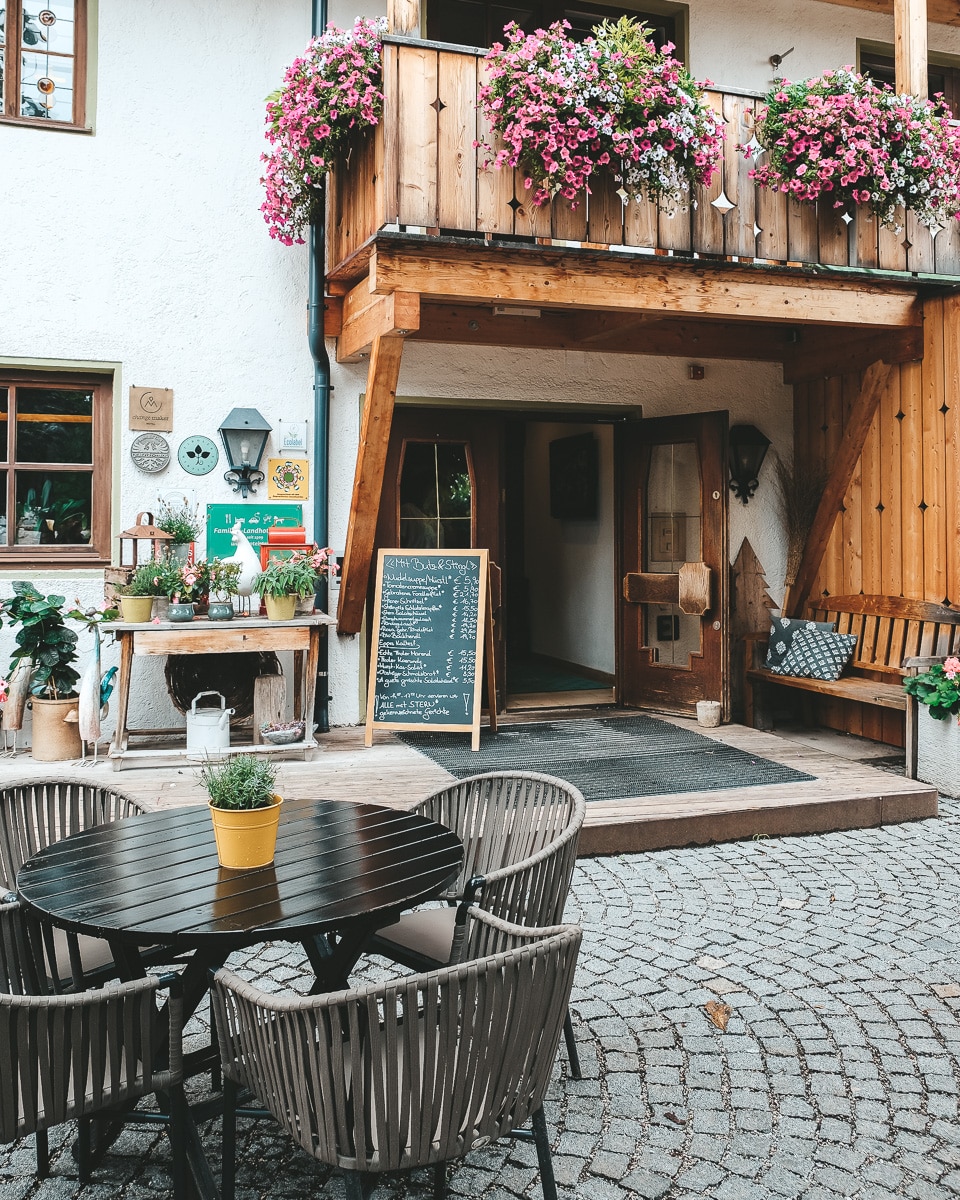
672, 536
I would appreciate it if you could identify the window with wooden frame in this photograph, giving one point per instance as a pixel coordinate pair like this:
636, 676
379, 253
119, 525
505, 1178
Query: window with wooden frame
55, 470
481, 22
43, 62
436, 496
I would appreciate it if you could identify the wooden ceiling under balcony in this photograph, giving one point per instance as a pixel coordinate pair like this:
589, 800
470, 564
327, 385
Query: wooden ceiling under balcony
939, 12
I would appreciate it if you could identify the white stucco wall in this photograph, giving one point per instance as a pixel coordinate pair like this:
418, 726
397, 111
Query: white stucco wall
143, 246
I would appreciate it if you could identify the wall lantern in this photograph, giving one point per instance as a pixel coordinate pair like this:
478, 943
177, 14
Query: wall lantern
747, 449
244, 434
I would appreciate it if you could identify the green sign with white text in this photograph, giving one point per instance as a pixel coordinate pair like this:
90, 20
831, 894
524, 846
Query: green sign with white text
255, 521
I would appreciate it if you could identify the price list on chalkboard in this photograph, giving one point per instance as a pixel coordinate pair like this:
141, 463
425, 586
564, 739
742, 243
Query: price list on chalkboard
426, 663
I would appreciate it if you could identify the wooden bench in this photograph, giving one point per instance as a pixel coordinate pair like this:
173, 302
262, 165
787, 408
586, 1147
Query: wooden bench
891, 632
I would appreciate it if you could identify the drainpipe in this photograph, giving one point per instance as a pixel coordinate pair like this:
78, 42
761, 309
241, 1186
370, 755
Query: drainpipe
321, 409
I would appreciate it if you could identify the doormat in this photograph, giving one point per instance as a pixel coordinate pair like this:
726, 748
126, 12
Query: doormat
608, 758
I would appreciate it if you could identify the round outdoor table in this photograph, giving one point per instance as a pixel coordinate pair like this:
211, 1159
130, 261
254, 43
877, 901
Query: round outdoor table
341, 870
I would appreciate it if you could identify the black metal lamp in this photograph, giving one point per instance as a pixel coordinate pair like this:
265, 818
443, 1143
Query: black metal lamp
244, 433
748, 446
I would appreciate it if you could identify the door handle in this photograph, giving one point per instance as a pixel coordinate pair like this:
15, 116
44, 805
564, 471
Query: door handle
690, 588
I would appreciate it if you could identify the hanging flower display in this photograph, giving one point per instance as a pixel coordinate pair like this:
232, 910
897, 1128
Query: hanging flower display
565, 110
848, 139
331, 91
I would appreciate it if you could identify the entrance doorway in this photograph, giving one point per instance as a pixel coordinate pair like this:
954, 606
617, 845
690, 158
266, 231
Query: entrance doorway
564, 524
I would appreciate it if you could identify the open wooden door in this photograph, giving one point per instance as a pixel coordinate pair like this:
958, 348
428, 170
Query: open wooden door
673, 495
443, 489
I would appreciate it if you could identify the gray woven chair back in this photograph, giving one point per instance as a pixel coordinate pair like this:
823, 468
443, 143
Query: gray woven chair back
418, 1070
509, 820
36, 812
67, 1056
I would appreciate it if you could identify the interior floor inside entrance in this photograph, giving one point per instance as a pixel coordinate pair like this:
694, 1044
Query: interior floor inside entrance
537, 681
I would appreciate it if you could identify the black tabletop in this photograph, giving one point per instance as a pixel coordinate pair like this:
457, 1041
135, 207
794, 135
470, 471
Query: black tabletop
155, 878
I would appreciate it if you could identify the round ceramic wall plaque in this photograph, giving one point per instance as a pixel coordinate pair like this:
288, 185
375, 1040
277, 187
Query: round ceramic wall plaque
198, 455
150, 452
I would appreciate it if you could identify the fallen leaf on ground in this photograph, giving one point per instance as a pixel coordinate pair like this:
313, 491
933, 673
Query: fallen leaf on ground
719, 1013
674, 1118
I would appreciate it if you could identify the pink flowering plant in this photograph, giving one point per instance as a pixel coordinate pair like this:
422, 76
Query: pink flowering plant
938, 688
847, 139
565, 110
326, 95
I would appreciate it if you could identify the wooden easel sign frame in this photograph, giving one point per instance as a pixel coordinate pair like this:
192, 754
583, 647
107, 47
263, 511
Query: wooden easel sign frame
432, 620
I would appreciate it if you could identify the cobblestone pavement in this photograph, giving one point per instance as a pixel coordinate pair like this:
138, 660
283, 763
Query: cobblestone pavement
837, 1076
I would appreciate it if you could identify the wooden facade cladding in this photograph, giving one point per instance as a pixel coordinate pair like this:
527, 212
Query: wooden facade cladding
419, 171
897, 530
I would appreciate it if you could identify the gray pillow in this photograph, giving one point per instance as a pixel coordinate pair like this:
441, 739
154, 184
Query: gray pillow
818, 654
782, 632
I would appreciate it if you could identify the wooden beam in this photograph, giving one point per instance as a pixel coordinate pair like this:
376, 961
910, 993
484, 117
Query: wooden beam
555, 278
841, 472
819, 354
367, 316
382, 375
403, 16
607, 333
910, 53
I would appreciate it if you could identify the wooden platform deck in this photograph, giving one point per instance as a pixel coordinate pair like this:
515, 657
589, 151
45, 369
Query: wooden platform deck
846, 793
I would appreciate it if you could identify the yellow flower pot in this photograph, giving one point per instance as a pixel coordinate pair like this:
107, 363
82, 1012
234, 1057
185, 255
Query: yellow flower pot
281, 608
246, 837
136, 609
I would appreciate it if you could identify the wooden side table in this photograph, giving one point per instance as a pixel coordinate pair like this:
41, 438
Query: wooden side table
243, 635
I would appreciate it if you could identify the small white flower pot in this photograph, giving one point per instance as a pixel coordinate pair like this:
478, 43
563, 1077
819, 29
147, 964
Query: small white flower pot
938, 752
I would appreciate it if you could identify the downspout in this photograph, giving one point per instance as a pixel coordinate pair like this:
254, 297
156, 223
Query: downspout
321, 408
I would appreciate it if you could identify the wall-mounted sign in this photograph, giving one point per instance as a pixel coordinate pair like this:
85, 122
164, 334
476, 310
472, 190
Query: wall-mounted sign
198, 455
151, 408
292, 437
150, 452
256, 520
288, 478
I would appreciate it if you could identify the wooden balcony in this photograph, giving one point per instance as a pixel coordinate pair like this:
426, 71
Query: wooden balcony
419, 173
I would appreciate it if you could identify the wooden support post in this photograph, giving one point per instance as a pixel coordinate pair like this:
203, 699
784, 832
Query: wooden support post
841, 472
403, 16
269, 703
382, 376
910, 30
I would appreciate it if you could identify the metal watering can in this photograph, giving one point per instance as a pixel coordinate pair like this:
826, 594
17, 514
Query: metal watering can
209, 728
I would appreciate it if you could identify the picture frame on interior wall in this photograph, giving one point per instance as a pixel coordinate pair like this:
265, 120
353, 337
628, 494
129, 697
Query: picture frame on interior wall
575, 478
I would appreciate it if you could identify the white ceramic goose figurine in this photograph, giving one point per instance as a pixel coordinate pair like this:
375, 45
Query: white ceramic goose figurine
248, 559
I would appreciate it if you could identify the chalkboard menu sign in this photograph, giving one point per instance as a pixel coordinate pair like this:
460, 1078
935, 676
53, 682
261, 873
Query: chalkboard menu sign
431, 614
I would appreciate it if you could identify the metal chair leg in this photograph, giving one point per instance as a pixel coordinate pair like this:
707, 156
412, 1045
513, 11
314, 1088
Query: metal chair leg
547, 1182
43, 1154
439, 1181
228, 1169
84, 1149
354, 1185
572, 1053
178, 1142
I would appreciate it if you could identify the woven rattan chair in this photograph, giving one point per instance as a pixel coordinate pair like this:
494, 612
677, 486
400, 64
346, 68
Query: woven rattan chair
37, 812
520, 832
413, 1072
67, 1057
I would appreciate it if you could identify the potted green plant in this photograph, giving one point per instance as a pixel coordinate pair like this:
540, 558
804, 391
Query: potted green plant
937, 692
182, 522
137, 596
224, 583
244, 809
287, 579
47, 648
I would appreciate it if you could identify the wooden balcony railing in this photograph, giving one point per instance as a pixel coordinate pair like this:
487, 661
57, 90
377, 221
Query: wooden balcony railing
420, 171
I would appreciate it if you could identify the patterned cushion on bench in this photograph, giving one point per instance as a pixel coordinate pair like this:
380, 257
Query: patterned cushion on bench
818, 654
782, 632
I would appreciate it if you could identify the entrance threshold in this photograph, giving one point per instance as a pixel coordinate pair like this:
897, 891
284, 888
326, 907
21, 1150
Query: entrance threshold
588, 698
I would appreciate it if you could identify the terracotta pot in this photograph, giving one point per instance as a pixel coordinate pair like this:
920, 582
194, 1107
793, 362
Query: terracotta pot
281, 608
54, 739
246, 837
137, 610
